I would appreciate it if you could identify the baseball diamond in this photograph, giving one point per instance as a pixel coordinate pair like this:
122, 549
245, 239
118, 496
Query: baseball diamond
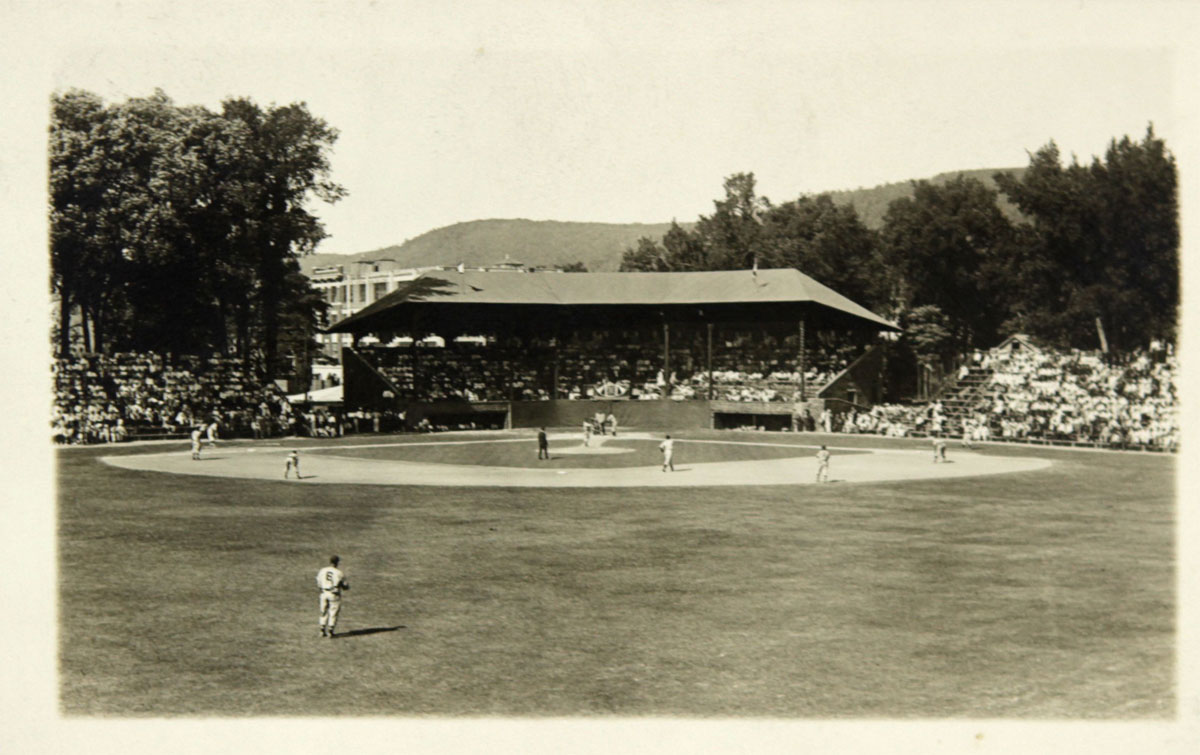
388, 464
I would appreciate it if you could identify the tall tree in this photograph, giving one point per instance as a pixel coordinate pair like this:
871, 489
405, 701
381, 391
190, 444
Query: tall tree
79, 181
1104, 244
287, 165
646, 256
945, 246
175, 228
828, 242
679, 250
732, 235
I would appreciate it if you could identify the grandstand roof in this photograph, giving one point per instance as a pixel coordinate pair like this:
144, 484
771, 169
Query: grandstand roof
470, 299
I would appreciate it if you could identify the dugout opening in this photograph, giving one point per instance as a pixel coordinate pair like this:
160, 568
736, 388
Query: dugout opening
737, 421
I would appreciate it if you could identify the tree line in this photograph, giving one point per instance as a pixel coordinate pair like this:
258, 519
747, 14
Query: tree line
178, 229
1093, 260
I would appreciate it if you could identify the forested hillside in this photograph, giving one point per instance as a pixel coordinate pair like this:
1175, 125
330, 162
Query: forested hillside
598, 246
533, 242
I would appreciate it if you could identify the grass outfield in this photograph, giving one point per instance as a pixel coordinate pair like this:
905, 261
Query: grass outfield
1047, 594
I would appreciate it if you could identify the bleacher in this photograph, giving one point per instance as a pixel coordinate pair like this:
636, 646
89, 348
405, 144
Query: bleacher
961, 399
143, 396
1065, 398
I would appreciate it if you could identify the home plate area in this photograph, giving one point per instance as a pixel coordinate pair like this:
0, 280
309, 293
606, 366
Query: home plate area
632, 459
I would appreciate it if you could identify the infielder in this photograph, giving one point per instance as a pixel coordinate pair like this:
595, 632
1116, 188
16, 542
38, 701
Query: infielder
543, 445
293, 462
331, 581
196, 444
939, 449
587, 432
212, 433
823, 465
668, 450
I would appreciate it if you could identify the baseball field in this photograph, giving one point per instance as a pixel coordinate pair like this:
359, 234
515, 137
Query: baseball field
1012, 582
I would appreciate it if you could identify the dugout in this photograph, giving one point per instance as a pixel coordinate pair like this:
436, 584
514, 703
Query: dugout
549, 307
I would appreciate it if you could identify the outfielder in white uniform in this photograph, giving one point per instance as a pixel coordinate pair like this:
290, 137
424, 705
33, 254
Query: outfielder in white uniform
823, 465
331, 581
668, 450
293, 462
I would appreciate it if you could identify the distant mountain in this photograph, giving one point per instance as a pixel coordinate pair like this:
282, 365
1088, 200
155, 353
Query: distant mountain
872, 203
598, 246
542, 243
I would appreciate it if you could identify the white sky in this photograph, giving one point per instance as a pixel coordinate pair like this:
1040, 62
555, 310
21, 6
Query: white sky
617, 114
590, 111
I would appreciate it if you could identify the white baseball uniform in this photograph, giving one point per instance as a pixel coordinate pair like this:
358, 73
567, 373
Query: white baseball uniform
331, 581
668, 450
822, 465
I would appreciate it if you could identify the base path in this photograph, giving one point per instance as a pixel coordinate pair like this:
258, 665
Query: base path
861, 466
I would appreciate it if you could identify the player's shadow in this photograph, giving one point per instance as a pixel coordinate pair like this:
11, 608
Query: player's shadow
371, 630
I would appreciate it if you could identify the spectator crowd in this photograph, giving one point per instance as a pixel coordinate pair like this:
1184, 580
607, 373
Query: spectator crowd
1019, 394
1039, 395
102, 398
745, 368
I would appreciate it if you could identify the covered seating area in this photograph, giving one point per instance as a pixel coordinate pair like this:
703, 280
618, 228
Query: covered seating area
510, 340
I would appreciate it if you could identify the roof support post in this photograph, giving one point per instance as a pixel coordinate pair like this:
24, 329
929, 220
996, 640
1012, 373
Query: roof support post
508, 362
666, 360
708, 362
554, 386
801, 366
414, 356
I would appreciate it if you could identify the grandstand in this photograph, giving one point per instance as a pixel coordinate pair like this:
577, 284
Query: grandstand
657, 349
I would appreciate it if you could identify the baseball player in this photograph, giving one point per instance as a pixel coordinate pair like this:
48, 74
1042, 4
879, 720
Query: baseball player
668, 450
331, 581
823, 465
611, 421
196, 444
543, 445
587, 432
939, 449
293, 462
212, 433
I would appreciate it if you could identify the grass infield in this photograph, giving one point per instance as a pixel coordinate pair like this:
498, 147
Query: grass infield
1047, 594
565, 454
